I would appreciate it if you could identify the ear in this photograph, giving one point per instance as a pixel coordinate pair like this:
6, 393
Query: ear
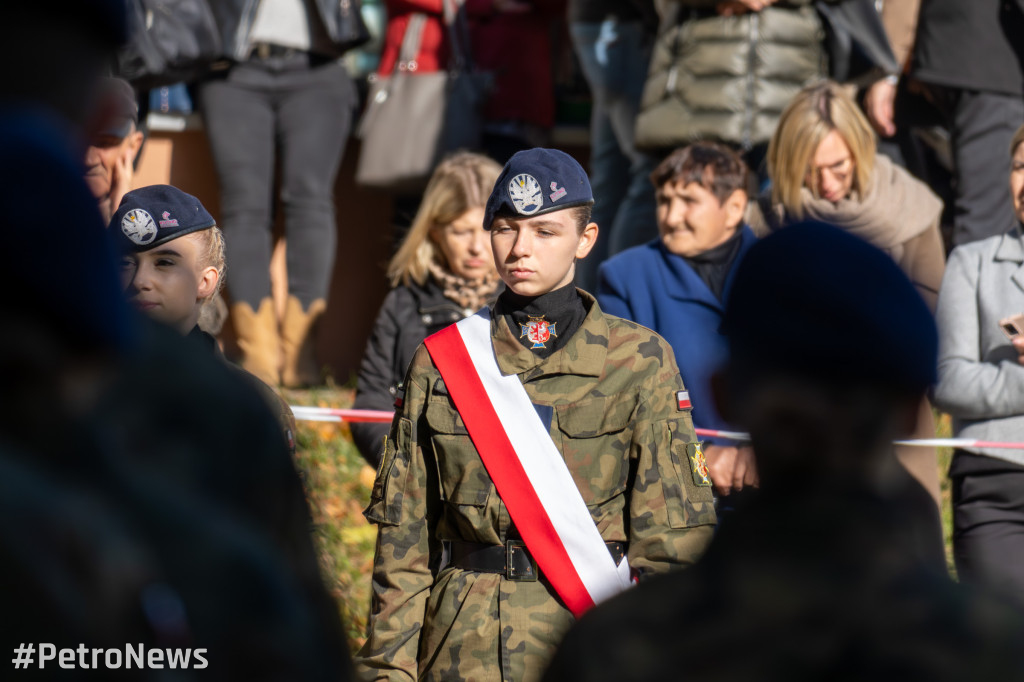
735, 207
587, 240
208, 279
134, 145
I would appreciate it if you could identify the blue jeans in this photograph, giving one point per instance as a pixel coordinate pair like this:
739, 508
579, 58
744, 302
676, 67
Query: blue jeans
614, 58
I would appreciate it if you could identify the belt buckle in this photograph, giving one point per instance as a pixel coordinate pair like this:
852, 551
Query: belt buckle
516, 549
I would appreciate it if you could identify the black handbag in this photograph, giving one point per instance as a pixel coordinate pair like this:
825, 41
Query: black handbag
170, 41
858, 47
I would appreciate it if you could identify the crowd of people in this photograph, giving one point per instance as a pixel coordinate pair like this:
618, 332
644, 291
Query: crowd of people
757, 248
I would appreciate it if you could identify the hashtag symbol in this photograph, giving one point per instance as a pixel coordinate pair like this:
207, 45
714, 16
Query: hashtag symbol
23, 656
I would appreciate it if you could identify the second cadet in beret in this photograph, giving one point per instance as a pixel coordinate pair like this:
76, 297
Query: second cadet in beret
173, 264
602, 392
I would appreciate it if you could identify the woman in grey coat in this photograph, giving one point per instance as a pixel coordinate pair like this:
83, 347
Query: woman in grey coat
981, 383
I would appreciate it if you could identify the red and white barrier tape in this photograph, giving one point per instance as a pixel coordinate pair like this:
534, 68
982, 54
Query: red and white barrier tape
331, 414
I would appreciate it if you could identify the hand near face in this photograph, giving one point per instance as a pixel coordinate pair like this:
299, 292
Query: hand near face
879, 104
121, 177
731, 468
1018, 345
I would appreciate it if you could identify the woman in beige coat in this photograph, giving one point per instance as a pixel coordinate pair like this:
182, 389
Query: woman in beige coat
823, 165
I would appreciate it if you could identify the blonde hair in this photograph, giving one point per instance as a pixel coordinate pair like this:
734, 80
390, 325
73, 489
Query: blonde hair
460, 182
211, 254
811, 115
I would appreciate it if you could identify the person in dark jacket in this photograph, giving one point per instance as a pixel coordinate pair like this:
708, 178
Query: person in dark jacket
968, 55
613, 40
677, 284
442, 272
288, 102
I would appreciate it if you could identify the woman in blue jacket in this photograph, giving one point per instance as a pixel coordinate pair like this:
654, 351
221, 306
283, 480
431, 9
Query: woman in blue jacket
677, 283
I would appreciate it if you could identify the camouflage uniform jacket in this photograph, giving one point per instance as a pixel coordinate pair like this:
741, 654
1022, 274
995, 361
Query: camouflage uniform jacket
616, 421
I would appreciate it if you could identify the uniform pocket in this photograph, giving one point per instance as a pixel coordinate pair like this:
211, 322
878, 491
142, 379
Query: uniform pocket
389, 487
595, 444
463, 478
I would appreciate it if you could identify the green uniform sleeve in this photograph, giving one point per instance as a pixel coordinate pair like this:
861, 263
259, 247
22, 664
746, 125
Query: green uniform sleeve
402, 573
672, 514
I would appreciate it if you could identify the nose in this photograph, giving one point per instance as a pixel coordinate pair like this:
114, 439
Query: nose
480, 239
139, 278
522, 245
676, 213
92, 157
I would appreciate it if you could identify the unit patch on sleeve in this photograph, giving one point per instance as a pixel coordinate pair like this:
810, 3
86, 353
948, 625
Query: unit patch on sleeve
698, 465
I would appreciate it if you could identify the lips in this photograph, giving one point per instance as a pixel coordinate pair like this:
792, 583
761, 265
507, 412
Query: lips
144, 305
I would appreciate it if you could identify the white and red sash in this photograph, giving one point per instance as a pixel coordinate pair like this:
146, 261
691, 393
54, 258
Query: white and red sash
528, 471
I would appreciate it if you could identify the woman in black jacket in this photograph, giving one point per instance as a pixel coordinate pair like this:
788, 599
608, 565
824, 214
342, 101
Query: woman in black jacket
442, 272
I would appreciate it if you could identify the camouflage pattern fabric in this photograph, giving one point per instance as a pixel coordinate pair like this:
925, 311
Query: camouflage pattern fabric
616, 421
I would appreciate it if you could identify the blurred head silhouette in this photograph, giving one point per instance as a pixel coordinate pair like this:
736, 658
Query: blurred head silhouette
831, 350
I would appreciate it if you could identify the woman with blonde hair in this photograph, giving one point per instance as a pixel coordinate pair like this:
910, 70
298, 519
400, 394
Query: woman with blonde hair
442, 272
824, 166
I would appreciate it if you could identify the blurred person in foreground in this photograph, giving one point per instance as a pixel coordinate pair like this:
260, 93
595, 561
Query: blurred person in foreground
442, 272
110, 156
678, 284
99, 546
981, 384
540, 460
824, 166
834, 571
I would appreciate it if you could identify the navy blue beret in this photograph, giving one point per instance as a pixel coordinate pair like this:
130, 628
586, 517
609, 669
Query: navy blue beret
535, 182
154, 215
816, 301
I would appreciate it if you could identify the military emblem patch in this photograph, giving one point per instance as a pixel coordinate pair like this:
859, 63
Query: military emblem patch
698, 465
525, 193
168, 221
138, 226
538, 330
556, 192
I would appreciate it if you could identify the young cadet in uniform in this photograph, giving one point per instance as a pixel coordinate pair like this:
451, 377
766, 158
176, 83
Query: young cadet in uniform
471, 579
172, 264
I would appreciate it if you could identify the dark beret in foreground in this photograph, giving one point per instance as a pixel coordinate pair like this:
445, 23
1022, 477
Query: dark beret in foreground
816, 301
154, 215
538, 181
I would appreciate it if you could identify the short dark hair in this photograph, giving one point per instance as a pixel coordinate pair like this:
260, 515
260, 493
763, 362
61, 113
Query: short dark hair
711, 165
582, 216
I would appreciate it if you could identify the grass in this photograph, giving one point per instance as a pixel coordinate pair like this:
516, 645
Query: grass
339, 485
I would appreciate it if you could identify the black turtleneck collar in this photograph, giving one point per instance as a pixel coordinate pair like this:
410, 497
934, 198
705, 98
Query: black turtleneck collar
562, 309
713, 265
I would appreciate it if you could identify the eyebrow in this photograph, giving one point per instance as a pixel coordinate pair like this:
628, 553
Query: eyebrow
166, 252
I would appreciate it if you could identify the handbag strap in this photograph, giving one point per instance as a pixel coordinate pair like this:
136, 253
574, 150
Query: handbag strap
457, 26
411, 41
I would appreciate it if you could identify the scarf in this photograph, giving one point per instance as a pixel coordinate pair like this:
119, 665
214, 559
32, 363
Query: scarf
895, 208
468, 294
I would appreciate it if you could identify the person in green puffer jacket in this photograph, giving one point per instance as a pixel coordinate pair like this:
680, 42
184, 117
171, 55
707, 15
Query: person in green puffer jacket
725, 70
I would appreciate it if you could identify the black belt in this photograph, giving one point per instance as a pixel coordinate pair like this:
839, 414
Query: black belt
512, 559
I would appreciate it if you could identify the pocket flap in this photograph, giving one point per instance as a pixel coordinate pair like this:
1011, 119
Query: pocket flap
442, 417
595, 416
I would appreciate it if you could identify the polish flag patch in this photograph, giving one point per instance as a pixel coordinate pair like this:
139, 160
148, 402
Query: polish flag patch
683, 400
